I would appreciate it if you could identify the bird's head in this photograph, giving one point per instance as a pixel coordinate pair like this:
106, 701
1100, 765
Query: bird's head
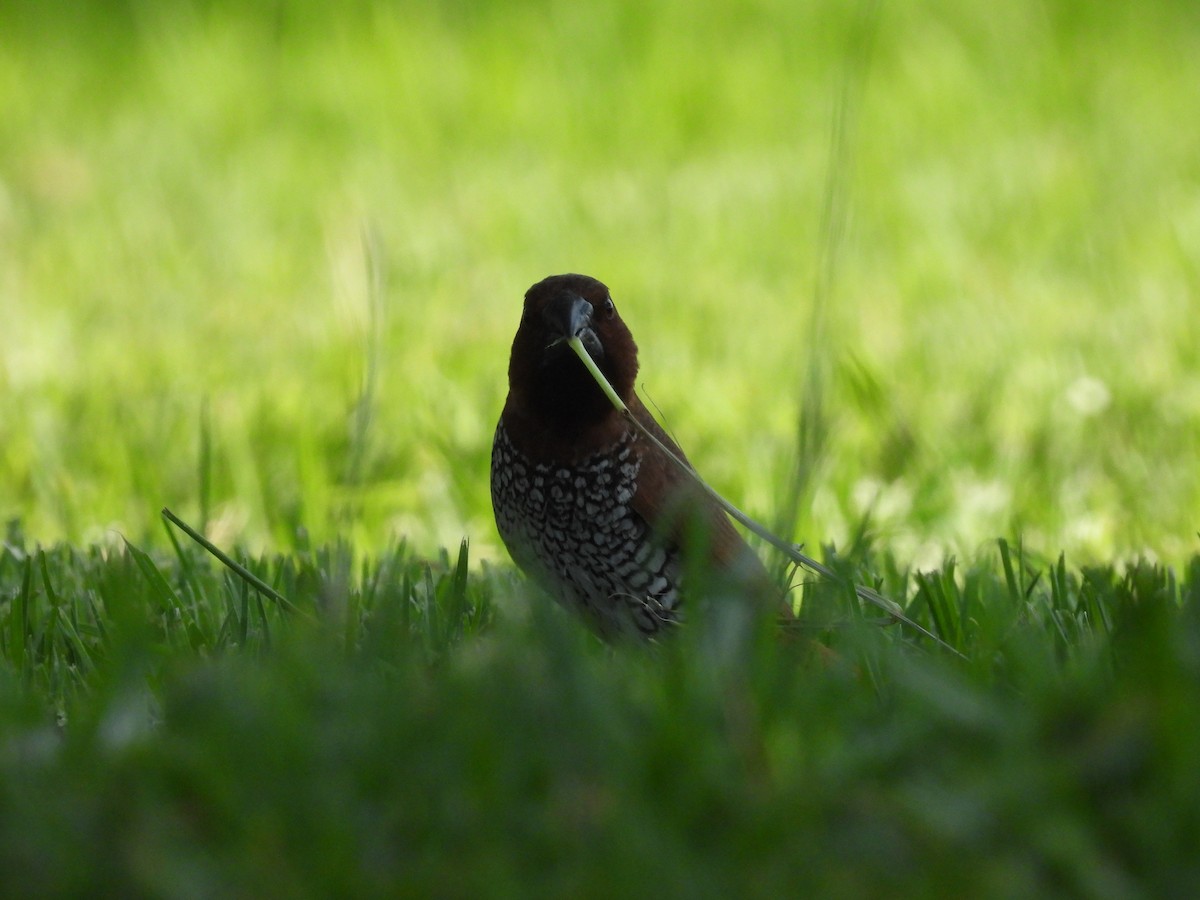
544, 375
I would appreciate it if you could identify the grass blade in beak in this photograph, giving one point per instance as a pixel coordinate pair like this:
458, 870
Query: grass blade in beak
790, 550
577, 346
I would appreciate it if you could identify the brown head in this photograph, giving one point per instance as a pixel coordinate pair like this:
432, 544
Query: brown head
548, 385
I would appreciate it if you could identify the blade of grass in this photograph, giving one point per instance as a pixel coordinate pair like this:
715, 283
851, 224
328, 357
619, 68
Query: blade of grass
261, 586
18, 632
864, 593
1010, 577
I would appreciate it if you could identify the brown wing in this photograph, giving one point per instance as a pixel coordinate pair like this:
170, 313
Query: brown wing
682, 514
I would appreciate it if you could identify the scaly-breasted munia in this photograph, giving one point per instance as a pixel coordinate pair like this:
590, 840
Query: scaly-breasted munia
588, 507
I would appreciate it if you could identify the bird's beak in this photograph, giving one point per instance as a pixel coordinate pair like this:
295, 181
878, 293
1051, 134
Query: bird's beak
571, 316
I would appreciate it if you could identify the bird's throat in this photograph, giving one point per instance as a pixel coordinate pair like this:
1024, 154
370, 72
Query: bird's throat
564, 394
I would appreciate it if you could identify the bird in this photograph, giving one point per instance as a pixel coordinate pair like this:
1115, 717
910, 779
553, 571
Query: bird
590, 509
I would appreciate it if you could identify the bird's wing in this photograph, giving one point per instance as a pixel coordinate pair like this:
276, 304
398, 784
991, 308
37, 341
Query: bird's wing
673, 504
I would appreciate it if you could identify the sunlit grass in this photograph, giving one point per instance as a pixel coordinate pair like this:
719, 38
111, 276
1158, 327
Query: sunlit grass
185, 196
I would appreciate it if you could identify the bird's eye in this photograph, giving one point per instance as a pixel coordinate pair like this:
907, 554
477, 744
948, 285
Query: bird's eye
610, 308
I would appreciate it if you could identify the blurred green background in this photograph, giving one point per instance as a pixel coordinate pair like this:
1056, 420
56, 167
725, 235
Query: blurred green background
262, 262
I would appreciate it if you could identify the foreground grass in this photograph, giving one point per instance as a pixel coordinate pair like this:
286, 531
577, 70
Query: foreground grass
418, 726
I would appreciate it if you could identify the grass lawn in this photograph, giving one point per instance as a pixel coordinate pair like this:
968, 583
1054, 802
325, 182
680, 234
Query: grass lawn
916, 281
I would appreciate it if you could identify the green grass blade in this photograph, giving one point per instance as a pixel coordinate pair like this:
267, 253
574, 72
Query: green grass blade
260, 585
